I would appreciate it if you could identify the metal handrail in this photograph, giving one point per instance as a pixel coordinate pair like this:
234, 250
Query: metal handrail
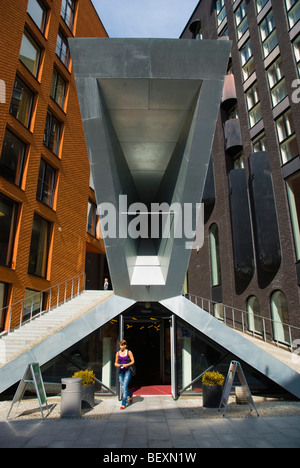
238, 319
57, 295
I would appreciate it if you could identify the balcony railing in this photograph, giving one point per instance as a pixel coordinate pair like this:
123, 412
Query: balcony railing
263, 328
43, 301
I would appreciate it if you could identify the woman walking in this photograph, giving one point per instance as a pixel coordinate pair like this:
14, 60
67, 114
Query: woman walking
124, 359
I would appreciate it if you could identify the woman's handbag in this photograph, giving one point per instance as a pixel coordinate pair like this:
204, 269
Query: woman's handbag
132, 369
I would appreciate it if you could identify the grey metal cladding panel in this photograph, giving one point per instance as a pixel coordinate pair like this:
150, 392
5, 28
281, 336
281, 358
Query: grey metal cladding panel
149, 58
235, 343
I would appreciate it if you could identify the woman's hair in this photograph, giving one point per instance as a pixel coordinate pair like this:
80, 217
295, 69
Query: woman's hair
123, 343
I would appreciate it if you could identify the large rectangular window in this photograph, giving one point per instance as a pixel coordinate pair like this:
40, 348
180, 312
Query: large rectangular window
215, 255
247, 60
277, 82
8, 222
221, 11
68, 12
12, 158
3, 296
46, 183
253, 104
296, 47
33, 304
30, 54
21, 102
52, 133
260, 4
287, 137
92, 219
38, 13
293, 188
58, 88
62, 49
39, 247
241, 20
268, 34
293, 11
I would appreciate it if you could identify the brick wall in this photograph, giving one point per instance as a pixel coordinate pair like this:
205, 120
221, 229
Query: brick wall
69, 213
199, 274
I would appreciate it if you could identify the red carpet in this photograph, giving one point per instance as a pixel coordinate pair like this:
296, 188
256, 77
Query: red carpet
153, 390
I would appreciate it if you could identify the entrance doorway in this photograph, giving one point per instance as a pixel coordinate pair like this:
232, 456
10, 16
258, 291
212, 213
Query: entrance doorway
148, 338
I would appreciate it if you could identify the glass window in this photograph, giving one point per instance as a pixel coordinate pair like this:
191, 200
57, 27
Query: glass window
241, 20
92, 219
253, 105
286, 136
8, 222
280, 317
293, 10
215, 255
221, 11
260, 4
268, 34
255, 324
30, 54
3, 295
296, 46
68, 12
38, 13
247, 60
21, 102
277, 82
260, 143
46, 183
293, 189
62, 49
52, 133
12, 158
58, 88
33, 304
39, 247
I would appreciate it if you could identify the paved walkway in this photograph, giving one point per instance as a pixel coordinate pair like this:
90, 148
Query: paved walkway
151, 423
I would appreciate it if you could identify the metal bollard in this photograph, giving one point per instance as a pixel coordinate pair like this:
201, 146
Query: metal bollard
70, 406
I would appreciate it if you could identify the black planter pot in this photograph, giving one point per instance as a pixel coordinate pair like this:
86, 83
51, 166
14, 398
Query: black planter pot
212, 395
87, 396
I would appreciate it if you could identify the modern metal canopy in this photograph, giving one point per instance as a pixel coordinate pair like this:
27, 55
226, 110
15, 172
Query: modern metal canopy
149, 109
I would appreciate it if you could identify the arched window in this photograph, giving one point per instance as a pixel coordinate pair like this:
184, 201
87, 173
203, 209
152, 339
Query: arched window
215, 255
280, 317
255, 324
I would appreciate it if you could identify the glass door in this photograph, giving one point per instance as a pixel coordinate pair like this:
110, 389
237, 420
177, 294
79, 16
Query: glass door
174, 375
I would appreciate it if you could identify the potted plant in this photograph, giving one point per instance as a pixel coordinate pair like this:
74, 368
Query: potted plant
88, 387
212, 389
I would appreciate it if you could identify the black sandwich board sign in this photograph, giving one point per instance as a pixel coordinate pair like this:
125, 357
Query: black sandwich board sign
31, 375
236, 368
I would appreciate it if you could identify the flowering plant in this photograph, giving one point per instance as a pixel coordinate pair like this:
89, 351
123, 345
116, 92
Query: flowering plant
213, 378
88, 377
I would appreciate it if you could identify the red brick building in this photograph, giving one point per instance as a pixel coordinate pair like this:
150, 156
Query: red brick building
45, 195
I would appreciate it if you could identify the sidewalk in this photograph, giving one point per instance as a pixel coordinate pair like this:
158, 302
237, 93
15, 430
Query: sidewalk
151, 422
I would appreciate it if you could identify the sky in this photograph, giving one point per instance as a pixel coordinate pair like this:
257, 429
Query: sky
145, 18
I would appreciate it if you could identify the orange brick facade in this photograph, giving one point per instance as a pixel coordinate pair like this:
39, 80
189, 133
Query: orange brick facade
67, 217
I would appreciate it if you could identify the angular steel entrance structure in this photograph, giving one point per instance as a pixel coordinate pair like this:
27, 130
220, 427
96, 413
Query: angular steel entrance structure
149, 109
